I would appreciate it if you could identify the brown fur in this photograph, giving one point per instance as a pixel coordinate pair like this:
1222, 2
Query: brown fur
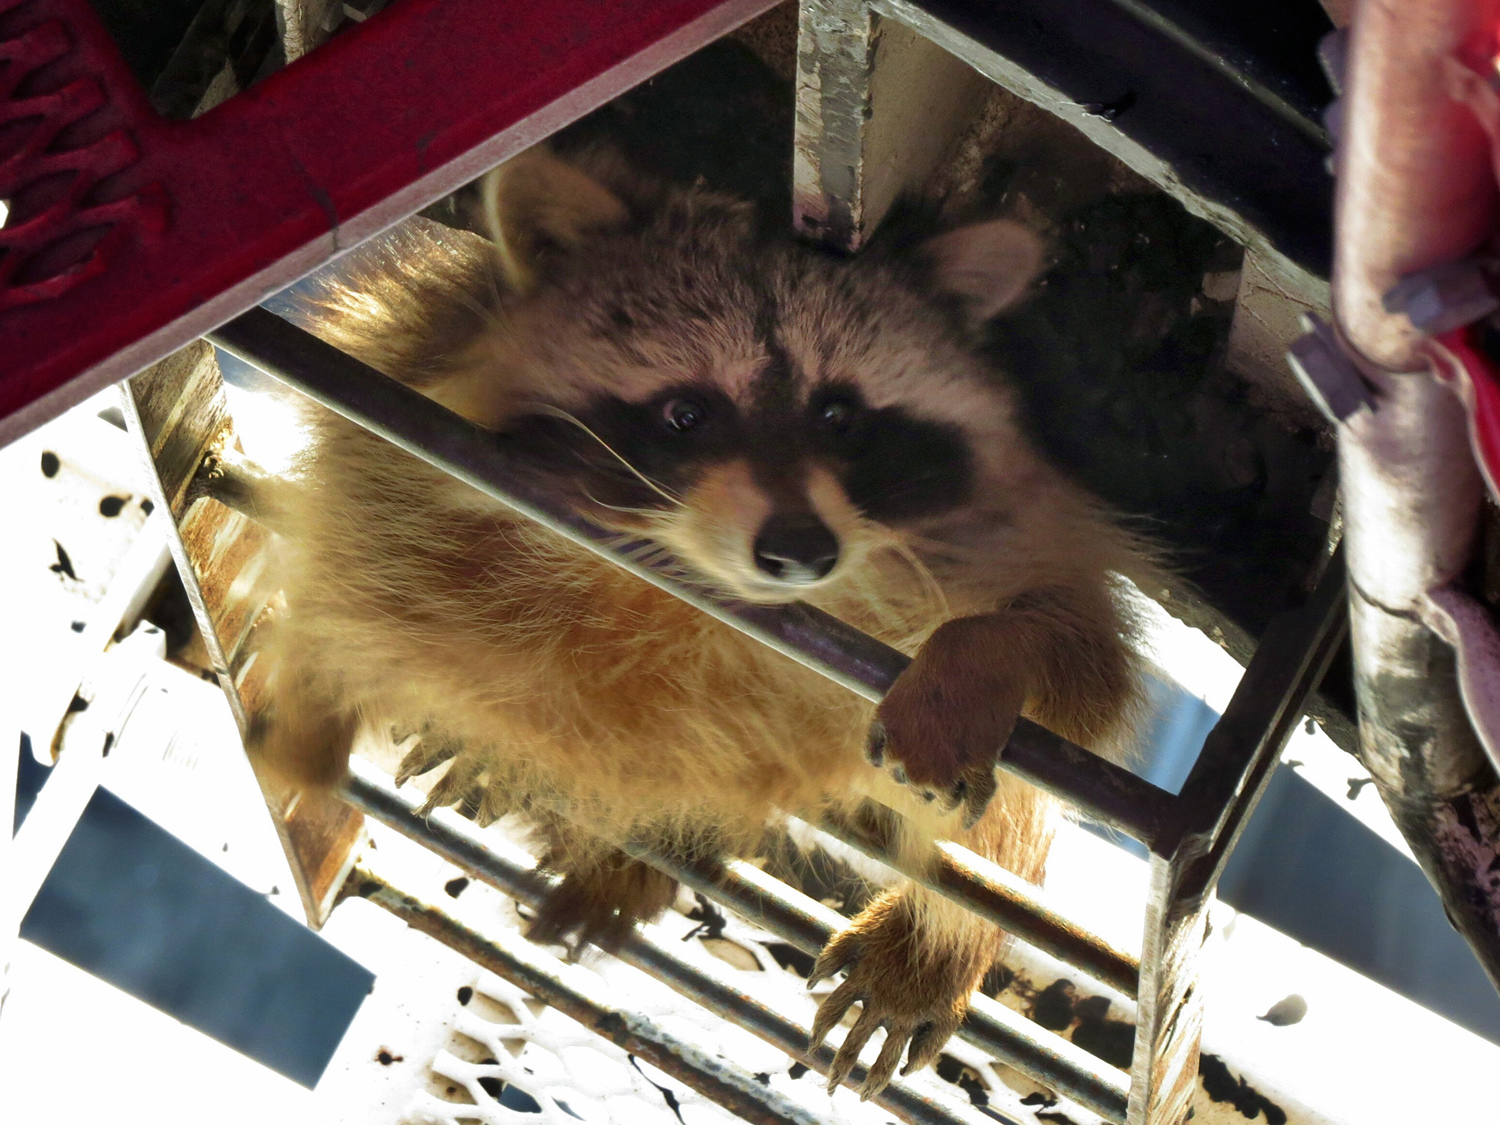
555, 681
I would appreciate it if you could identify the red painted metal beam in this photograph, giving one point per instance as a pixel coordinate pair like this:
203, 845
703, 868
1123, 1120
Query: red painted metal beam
130, 235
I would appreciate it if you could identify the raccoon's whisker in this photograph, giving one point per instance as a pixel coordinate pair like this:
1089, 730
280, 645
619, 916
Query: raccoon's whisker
487, 314
889, 540
558, 412
592, 499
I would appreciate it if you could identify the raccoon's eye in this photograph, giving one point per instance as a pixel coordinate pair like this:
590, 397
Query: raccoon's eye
683, 414
837, 415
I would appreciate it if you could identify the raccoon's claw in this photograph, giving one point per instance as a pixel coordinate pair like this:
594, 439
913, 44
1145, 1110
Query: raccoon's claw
429, 753
837, 955
917, 1011
972, 792
944, 722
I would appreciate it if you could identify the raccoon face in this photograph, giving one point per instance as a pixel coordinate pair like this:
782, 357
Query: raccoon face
770, 415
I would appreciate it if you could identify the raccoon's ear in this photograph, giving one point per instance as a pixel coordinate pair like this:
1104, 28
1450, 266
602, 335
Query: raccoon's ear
536, 199
989, 266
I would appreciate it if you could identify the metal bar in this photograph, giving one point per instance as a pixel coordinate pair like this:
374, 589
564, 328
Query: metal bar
1169, 1005
1100, 789
1416, 190
1231, 774
878, 106
513, 872
549, 980
1243, 749
994, 893
790, 915
991, 1026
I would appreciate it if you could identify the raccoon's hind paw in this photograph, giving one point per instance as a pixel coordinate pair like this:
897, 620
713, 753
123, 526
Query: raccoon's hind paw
946, 719
602, 903
919, 1000
430, 752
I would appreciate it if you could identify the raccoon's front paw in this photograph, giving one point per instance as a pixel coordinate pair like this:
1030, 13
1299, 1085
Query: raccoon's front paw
946, 719
919, 994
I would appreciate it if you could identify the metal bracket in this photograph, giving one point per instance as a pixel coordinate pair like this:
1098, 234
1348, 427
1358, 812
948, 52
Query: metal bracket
1329, 376
1445, 297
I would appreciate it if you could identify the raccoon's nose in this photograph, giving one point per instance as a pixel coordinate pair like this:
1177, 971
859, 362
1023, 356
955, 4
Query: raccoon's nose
796, 549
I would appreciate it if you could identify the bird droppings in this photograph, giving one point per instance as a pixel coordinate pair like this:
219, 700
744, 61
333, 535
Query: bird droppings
455, 887
791, 958
78, 626
1222, 1086
147, 506
711, 923
112, 506
465, 994
763, 1077
666, 1095
966, 1078
996, 980
63, 565
1053, 1005
1286, 1011
1111, 1040
50, 464
384, 1057
796, 1070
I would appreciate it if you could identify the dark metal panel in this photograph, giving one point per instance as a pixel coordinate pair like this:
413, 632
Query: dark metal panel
1161, 101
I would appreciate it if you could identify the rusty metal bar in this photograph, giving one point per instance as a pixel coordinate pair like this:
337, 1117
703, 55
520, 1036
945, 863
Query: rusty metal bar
177, 415
994, 893
807, 924
1100, 789
512, 872
550, 981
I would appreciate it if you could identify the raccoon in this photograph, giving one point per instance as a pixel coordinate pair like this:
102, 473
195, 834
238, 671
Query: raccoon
787, 425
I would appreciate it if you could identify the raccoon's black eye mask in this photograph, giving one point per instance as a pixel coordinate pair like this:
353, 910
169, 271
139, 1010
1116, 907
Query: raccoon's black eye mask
607, 447
894, 467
